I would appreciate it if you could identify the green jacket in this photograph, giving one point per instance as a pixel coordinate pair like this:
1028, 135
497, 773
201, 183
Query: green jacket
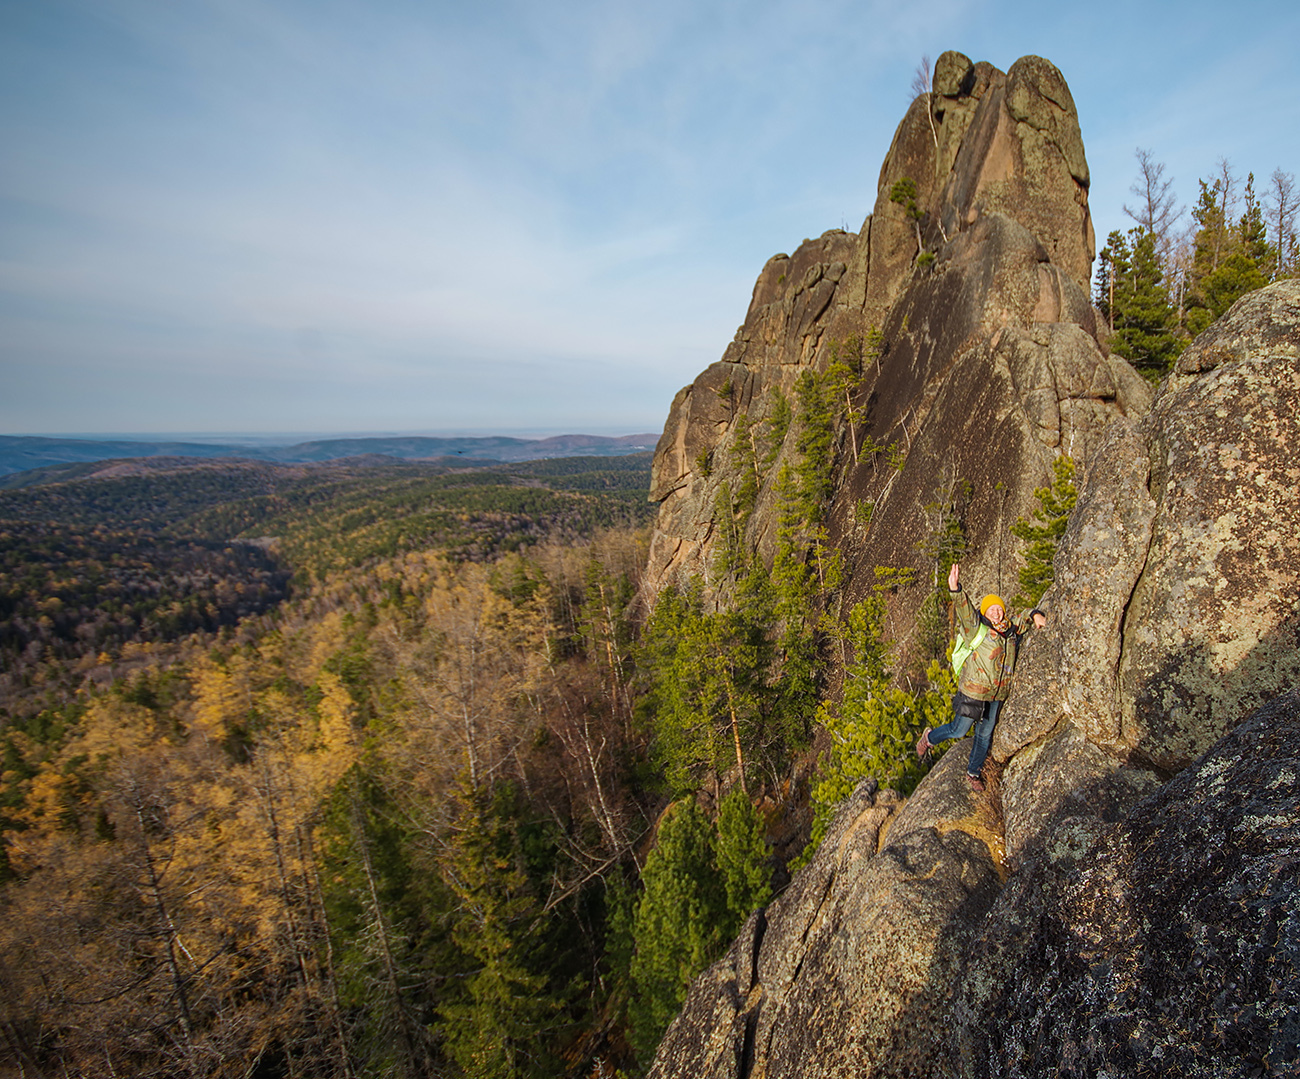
986, 674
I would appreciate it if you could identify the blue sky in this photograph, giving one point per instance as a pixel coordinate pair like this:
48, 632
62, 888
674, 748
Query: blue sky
312, 216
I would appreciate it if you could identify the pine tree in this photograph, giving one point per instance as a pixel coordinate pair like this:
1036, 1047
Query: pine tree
743, 860
366, 881
493, 1030
1056, 503
1251, 228
705, 699
904, 194
1143, 318
1113, 263
1228, 261
874, 725
679, 925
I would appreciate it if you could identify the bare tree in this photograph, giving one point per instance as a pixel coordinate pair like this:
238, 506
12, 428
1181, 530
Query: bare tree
1157, 209
1182, 266
1283, 200
923, 85
921, 77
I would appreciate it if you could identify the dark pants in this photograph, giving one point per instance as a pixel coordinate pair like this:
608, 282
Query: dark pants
984, 719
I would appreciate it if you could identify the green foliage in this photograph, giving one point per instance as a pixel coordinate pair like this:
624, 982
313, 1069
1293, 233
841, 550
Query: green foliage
814, 443
1251, 230
848, 361
491, 1029
742, 858
333, 517
1056, 503
603, 625
705, 692
1235, 276
738, 686
892, 578
778, 425
904, 194
373, 913
1144, 322
680, 922
621, 901
874, 725
1227, 261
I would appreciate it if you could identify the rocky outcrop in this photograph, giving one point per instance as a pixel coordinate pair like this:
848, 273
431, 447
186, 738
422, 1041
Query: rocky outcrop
1091, 915
1123, 900
1168, 944
992, 370
990, 340
859, 924
1174, 607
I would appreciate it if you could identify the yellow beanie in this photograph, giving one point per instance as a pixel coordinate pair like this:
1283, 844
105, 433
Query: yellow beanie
992, 601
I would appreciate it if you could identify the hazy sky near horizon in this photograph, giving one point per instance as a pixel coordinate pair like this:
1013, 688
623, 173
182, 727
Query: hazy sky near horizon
345, 217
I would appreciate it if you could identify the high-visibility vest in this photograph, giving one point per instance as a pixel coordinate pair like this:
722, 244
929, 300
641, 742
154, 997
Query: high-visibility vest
962, 650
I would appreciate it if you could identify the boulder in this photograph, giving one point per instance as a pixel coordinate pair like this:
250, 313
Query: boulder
1213, 626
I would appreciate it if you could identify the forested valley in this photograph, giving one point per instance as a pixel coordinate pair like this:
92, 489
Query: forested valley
319, 771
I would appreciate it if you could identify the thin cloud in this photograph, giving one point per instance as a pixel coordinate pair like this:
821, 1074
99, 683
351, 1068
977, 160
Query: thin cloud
223, 212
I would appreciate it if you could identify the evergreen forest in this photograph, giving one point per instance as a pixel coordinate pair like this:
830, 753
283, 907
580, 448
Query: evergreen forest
1163, 281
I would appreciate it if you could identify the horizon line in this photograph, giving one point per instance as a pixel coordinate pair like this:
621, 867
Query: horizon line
528, 433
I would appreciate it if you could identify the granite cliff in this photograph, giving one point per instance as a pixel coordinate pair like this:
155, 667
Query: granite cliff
1125, 899
987, 339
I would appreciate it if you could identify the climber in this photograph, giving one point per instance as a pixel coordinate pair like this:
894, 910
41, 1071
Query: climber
984, 681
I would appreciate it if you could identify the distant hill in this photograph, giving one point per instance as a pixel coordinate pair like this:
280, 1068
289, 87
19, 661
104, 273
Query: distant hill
26, 452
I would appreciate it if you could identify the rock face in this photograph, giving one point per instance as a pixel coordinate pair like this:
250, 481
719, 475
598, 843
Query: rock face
855, 925
1124, 900
990, 340
1091, 915
1168, 944
1174, 606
